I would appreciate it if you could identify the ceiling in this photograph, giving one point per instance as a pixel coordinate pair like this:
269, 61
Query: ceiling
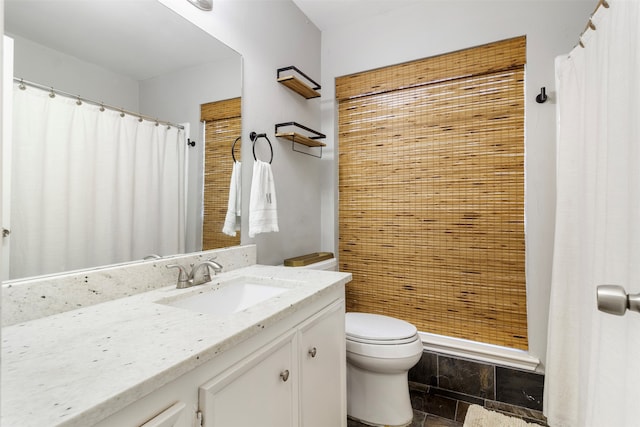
140, 39
331, 13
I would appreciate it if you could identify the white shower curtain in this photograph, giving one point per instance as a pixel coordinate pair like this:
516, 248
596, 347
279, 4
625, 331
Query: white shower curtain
593, 358
90, 187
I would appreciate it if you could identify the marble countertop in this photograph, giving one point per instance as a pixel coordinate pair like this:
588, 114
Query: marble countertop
78, 367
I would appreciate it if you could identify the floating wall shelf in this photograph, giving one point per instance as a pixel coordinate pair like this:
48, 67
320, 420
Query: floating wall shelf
298, 138
308, 89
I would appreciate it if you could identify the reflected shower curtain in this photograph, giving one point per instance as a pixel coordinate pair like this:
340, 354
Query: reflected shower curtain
593, 358
90, 187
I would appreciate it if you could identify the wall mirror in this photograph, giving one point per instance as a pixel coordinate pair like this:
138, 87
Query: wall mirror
137, 55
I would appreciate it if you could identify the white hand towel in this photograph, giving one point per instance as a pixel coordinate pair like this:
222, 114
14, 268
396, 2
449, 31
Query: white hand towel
234, 206
263, 212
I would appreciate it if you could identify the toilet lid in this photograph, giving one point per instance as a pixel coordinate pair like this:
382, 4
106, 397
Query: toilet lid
375, 327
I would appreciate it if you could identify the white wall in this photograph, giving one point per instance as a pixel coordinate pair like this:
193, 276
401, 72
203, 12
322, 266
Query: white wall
429, 28
40, 64
270, 34
178, 95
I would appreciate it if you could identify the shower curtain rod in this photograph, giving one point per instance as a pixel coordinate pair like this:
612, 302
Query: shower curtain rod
102, 105
590, 24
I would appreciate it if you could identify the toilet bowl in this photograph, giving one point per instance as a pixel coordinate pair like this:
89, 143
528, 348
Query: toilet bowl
380, 352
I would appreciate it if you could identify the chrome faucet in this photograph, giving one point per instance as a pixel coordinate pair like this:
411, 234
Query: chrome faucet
206, 277
183, 277
187, 280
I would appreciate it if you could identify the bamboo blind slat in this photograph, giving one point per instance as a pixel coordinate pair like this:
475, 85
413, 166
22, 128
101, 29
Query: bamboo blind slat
219, 110
431, 181
222, 127
483, 59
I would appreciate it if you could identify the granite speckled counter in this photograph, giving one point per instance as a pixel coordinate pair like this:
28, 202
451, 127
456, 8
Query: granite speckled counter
78, 367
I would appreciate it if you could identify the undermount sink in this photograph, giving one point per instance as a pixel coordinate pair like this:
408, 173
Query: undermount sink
228, 298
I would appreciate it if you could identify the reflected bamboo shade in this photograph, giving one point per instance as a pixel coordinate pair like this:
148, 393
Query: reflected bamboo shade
431, 181
222, 126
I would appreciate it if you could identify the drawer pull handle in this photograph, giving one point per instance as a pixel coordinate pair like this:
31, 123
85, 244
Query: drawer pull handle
312, 352
284, 375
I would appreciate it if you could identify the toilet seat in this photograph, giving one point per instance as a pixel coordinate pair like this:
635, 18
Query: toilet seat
377, 329
374, 335
382, 342
378, 351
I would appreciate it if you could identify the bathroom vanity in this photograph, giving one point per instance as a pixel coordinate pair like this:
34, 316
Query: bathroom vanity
144, 360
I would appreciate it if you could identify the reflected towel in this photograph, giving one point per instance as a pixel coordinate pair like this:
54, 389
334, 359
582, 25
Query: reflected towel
263, 212
232, 219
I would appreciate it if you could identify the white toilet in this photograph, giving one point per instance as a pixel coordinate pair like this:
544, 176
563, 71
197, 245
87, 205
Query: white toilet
380, 352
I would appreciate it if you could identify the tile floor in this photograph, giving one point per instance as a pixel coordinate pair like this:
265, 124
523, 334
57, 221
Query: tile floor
445, 386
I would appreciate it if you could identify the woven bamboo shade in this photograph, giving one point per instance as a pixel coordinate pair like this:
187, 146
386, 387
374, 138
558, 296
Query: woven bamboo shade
222, 127
432, 192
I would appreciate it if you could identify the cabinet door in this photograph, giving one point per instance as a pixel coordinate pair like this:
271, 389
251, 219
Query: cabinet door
258, 391
323, 369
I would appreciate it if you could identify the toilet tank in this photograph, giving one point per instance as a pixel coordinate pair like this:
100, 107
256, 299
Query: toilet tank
328, 264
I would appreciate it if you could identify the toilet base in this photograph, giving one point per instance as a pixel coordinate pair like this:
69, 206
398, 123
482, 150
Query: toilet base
378, 399
374, 425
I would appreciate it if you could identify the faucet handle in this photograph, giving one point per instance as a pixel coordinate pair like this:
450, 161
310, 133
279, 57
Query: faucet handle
217, 267
206, 276
183, 276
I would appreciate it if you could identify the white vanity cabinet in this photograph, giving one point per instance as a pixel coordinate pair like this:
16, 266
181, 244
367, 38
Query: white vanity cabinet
291, 374
323, 369
296, 380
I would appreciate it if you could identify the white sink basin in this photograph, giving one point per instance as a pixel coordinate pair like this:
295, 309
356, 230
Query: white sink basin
226, 299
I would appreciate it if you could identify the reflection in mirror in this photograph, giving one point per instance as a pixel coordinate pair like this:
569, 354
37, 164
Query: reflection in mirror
222, 160
161, 67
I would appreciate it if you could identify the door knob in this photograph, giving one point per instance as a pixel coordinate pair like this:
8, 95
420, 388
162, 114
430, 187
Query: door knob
613, 299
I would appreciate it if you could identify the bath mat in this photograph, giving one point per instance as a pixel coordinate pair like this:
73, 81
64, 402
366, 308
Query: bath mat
477, 416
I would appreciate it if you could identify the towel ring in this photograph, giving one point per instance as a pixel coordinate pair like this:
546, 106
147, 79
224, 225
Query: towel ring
233, 146
254, 137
